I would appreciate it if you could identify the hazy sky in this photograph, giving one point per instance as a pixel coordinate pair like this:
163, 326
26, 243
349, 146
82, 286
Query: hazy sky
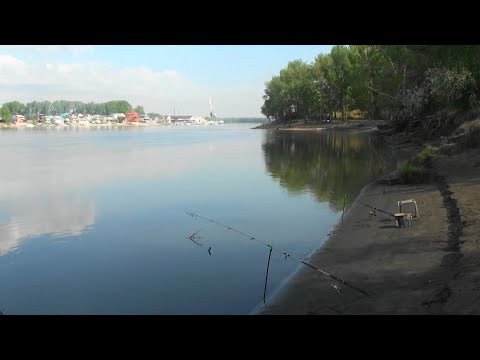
159, 77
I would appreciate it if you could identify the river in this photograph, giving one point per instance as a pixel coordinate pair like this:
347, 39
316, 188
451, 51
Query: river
93, 221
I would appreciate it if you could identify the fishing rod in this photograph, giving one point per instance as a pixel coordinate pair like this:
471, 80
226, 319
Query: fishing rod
281, 252
375, 208
266, 275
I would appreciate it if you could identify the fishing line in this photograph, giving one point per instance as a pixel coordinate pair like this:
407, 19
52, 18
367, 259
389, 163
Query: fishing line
281, 252
375, 208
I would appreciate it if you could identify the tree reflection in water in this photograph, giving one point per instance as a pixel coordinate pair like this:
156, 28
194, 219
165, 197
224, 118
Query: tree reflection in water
329, 164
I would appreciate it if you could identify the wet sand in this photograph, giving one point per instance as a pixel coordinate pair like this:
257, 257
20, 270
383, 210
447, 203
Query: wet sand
401, 268
462, 174
432, 267
339, 125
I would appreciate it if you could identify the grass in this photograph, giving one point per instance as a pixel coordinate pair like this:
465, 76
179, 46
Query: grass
418, 170
425, 157
413, 174
470, 132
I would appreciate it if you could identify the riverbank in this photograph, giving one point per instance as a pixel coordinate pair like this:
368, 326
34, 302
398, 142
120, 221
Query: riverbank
75, 125
87, 124
338, 125
428, 268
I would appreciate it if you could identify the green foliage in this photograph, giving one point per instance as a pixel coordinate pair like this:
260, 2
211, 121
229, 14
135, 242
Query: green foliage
468, 135
290, 95
6, 114
58, 107
328, 165
139, 110
412, 174
450, 87
15, 107
426, 157
402, 83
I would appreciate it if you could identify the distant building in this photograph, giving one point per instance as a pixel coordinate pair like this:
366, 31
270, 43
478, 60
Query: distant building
18, 118
133, 117
118, 116
179, 118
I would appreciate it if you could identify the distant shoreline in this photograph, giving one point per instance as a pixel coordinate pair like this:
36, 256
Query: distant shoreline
90, 125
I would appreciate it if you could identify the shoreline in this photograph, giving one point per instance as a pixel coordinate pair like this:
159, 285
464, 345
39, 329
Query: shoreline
338, 125
395, 265
93, 125
428, 268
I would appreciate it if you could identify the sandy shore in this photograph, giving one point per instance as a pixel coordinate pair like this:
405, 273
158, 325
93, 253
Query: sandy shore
462, 174
339, 125
431, 267
400, 267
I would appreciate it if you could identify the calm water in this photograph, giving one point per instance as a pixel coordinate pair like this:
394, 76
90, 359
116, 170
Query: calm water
93, 221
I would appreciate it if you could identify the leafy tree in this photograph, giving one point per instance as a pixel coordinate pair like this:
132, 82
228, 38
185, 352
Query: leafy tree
5, 113
139, 110
290, 95
275, 100
341, 68
15, 107
403, 83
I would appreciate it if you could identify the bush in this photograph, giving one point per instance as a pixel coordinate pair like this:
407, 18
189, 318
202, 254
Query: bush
426, 157
471, 139
356, 115
451, 87
411, 174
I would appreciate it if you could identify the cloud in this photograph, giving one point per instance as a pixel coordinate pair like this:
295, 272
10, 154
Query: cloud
61, 215
59, 202
157, 91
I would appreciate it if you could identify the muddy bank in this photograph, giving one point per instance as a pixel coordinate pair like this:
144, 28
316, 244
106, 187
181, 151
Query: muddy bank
461, 174
432, 267
338, 125
402, 268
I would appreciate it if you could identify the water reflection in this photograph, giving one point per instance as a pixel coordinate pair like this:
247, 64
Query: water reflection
329, 164
50, 184
118, 200
62, 215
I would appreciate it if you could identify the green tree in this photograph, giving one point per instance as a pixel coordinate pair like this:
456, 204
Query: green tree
341, 68
275, 100
61, 106
5, 113
323, 83
403, 83
291, 94
15, 107
139, 110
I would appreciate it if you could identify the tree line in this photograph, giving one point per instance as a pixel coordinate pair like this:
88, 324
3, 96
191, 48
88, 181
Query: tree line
33, 109
401, 83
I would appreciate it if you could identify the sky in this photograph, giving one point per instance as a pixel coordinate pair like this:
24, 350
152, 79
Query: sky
161, 78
